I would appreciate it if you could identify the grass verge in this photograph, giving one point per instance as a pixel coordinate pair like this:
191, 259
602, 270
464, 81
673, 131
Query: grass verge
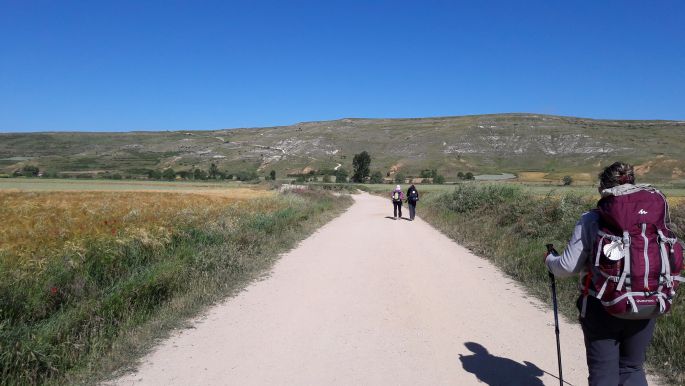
511, 226
82, 313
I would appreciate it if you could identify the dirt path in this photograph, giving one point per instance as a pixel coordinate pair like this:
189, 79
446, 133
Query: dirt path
372, 301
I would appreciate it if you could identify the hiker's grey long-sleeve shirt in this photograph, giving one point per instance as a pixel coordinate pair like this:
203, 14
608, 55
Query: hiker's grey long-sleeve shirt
579, 248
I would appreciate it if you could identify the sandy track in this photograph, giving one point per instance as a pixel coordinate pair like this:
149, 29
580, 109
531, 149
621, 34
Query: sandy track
372, 301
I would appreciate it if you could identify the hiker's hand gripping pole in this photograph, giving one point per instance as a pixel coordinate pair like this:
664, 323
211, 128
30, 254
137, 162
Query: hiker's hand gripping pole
550, 249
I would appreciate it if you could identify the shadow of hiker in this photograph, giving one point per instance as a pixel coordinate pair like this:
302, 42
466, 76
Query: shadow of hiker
496, 371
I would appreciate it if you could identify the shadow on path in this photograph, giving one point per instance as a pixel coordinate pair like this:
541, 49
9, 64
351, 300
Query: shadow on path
494, 371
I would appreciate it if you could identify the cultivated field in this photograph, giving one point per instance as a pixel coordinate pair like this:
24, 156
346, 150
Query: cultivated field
92, 272
228, 189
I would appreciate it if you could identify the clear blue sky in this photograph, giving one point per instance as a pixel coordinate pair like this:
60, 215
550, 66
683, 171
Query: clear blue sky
168, 65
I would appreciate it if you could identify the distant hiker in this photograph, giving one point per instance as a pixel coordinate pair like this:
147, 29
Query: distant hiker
397, 197
629, 262
412, 198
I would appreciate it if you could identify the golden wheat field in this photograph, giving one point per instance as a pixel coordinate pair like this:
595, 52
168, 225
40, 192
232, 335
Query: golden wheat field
38, 224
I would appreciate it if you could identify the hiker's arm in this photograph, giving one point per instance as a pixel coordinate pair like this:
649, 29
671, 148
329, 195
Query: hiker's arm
575, 254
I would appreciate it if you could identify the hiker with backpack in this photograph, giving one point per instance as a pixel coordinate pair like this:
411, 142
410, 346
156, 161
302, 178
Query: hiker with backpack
412, 199
397, 197
629, 263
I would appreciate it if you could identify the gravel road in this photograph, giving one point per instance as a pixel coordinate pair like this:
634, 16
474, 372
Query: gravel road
368, 300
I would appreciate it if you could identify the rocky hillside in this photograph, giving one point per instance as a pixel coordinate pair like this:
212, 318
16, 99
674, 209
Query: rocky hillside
524, 144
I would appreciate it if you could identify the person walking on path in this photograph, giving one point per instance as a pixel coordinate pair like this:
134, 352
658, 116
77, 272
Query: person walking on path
412, 198
397, 197
615, 347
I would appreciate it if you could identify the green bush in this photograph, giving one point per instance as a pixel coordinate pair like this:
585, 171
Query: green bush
376, 178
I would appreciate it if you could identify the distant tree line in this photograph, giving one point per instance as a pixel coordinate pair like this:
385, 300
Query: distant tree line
213, 173
169, 174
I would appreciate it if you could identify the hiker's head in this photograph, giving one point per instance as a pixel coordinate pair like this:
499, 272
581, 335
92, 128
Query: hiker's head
398, 187
618, 173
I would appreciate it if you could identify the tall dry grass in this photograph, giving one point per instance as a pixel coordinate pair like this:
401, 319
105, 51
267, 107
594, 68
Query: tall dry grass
80, 272
36, 225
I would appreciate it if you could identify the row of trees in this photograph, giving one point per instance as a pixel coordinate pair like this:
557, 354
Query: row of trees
338, 176
212, 174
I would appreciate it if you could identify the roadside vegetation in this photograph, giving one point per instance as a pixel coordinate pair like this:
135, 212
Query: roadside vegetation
88, 280
511, 225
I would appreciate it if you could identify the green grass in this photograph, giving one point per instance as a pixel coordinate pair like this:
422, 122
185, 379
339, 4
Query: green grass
83, 315
511, 225
63, 184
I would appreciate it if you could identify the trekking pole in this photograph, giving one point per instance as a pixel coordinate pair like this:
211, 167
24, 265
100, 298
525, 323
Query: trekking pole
550, 249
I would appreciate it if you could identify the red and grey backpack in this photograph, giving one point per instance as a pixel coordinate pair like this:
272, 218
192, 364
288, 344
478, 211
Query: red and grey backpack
636, 259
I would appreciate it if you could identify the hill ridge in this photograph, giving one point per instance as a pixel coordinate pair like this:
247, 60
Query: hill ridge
481, 144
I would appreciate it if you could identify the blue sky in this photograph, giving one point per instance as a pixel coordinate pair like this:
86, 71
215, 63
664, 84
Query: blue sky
172, 65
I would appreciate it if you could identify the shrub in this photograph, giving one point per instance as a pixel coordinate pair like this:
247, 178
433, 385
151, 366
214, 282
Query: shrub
200, 174
399, 178
247, 175
30, 171
567, 180
341, 175
376, 178
169, 174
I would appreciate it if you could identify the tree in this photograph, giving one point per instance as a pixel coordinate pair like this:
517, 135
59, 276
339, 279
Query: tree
567, 180
199, 174
341, 175
469, 176
213, 171
438, 179
360, 164
461, 176
428, 173
272, 175
399, 178
376, 177
169, 174
30, 171
247, 176
154, 174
